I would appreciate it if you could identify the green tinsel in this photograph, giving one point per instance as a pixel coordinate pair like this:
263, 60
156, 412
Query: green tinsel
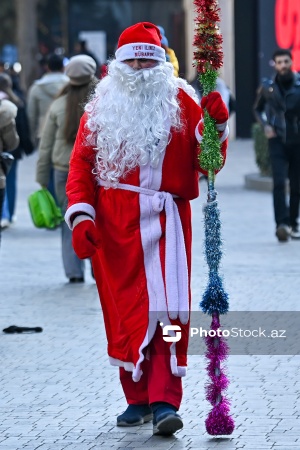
211, 158
208, 80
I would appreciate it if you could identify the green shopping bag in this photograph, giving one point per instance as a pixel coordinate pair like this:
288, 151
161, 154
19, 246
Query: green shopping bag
43, 209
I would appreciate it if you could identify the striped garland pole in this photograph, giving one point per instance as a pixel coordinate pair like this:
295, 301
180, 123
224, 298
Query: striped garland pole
208, 57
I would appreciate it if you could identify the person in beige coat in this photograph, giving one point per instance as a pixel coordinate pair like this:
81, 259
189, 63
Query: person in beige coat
40, 96
56, 145
42, 93
9, 138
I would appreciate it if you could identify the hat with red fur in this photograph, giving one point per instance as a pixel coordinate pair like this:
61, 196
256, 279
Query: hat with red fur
140, 41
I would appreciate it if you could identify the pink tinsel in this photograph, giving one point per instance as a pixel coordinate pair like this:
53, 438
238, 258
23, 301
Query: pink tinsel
218, 422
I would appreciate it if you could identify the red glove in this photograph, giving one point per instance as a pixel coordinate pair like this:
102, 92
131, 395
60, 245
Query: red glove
85, 239
215, 107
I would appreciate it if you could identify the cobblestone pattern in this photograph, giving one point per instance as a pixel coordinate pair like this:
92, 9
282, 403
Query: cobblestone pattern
58, 390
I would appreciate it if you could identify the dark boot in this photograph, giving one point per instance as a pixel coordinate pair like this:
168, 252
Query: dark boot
166, 421
135, 415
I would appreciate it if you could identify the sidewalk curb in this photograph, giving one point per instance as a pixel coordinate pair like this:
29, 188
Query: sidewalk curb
258, 182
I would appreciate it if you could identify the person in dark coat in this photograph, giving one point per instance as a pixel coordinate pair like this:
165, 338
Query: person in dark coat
11, 87
277, 109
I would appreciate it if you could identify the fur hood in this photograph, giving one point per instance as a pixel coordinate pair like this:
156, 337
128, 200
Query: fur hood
8, 112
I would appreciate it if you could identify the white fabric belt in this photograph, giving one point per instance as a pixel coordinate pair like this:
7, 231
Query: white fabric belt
176, 270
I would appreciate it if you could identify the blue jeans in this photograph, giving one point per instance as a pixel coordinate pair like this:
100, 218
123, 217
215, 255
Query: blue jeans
2, 194
10, 193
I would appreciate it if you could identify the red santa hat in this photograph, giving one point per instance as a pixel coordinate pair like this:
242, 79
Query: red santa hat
142, 40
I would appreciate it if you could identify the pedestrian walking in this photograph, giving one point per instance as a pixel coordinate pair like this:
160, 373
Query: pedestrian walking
277, 109
40, 96
10, 87
9, 139
133, 171
56, 144
42, 93
81, 48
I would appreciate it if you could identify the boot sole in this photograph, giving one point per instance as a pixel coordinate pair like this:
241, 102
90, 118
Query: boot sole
167, 426
142, 420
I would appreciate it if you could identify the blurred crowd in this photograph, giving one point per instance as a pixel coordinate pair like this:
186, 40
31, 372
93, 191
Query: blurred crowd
46, 119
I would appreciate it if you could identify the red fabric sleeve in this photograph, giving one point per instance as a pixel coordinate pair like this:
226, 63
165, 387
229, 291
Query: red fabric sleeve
81, 184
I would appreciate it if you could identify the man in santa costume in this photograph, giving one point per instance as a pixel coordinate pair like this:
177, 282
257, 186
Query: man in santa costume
133, 171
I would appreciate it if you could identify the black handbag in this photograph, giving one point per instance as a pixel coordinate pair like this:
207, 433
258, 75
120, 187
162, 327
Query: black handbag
6, 161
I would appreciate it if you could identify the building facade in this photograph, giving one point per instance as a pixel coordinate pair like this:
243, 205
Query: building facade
251, 29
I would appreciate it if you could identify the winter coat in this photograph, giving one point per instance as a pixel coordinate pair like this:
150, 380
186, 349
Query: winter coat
281, 111
53, 149
25, 146
138, 234
9, 138
40, 96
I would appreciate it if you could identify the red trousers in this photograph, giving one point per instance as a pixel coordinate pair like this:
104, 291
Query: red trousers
157, 384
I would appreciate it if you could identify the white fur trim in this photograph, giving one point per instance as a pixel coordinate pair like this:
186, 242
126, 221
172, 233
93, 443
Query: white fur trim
79, 207
150, 182
177, 285
178, 371
139, 50
225, 134
221, 126
187, 88
199, 136
223, 138
81, 218
128, 366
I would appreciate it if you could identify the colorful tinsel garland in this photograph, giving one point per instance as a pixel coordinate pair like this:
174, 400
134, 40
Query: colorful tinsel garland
208, 57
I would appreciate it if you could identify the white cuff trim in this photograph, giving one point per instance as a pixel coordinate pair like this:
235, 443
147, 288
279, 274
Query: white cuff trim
128, 366
81, 218
225, 134
177, 371
199, 136
221, 126
79, 207
139, 50
223, 138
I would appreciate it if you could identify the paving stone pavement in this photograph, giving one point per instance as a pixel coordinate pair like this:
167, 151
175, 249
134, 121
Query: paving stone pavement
58, 390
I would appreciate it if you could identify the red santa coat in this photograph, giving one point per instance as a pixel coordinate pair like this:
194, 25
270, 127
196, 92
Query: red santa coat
135, 286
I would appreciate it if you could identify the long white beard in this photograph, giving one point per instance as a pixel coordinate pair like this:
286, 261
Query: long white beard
131, 113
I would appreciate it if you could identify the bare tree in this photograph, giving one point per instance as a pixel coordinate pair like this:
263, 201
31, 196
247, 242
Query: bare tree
27, 40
